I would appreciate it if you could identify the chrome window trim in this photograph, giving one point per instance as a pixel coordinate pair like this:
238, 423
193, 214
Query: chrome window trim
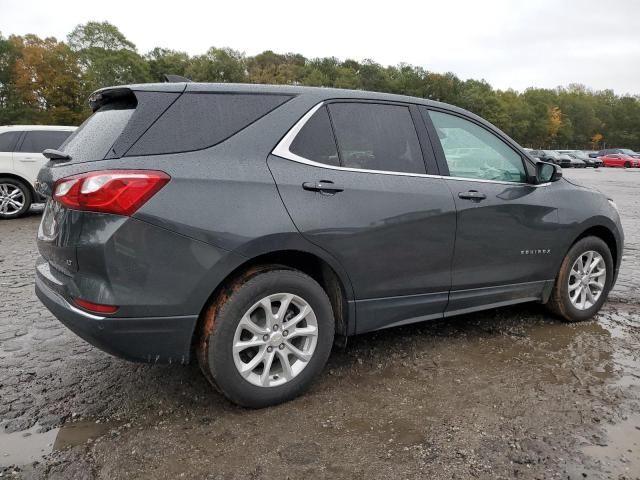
282, 150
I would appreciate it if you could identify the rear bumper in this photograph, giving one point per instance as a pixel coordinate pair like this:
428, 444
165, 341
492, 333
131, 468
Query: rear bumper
145, 339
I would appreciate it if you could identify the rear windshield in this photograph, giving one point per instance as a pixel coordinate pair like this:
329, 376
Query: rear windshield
94, 138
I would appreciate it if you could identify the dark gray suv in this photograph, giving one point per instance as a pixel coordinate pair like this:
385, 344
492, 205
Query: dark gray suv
250, 226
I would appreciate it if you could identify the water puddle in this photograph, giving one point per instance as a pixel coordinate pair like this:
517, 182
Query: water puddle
28, 446
77, 433
619, 455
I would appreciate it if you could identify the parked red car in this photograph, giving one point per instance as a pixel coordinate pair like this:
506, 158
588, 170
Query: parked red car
620, 160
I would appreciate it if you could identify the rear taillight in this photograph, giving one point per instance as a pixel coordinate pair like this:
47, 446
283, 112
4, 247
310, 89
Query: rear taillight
120, 192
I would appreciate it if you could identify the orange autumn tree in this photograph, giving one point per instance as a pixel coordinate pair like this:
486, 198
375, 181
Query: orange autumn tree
554, 122
48, 80
595, 140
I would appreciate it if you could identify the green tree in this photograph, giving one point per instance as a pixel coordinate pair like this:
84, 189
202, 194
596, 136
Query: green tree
98, 35
163, 61
270, 67
479, 98
9, 104
106, 56
346, 77
218, 65
514, 115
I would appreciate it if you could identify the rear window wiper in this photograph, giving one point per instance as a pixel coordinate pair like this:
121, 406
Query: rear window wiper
53, 154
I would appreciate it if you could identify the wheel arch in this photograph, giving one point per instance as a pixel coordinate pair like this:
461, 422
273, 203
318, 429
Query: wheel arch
607, 236
332, 279
14, 176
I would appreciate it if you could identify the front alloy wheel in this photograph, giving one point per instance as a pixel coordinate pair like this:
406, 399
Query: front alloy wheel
587, 280
584, 280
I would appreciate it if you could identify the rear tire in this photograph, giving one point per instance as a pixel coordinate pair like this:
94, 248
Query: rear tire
567, 299
285, 355
15, 198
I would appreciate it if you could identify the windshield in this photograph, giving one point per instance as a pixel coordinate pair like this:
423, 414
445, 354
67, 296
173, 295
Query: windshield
551, 153
626, 151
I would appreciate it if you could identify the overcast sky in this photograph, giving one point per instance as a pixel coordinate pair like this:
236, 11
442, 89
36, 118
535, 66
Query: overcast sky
511, 44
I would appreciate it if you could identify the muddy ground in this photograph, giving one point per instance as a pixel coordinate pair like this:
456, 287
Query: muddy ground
509, 393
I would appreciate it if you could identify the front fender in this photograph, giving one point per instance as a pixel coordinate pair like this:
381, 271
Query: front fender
581, 210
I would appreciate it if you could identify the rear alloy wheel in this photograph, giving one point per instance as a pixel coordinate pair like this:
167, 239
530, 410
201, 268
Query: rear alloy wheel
584, 280
15, 198
275, 340
268, 339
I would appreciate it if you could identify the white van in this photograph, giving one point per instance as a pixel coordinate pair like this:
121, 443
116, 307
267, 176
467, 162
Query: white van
21, 158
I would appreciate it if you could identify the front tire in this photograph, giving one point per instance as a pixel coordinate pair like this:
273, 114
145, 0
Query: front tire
584, 280
270, 337
15, 198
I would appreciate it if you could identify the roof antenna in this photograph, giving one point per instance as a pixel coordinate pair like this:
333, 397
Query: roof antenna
174, 78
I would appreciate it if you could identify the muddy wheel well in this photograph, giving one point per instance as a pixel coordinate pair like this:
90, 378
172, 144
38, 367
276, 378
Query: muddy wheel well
605, 235
305, 262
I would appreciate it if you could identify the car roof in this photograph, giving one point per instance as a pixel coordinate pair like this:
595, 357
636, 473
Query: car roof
22, 128
266, 88
320, 93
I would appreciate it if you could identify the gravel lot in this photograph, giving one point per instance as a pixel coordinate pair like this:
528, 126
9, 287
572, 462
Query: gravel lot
509, 393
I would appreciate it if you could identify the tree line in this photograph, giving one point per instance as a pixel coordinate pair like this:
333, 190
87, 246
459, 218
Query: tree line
47, 81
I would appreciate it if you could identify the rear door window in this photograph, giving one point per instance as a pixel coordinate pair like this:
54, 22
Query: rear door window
201, 120
35, 141
8, 141
315, 140
377, 137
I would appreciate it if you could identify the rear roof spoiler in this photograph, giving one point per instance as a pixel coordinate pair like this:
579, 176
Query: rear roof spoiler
107, 95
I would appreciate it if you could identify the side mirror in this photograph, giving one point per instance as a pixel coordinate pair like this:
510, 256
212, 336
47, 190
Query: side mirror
548, 172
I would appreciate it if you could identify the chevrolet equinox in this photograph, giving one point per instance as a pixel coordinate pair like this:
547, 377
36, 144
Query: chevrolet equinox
249, 226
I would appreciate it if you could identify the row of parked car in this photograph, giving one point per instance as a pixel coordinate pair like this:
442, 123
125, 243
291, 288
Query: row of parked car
611, 157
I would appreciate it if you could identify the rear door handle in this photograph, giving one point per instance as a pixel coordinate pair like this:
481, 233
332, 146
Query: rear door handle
472, 195
322, 186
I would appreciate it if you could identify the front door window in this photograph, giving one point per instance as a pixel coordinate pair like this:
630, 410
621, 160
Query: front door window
473, 152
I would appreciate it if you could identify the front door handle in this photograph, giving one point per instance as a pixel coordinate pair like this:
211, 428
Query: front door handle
472, 195
323, 186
